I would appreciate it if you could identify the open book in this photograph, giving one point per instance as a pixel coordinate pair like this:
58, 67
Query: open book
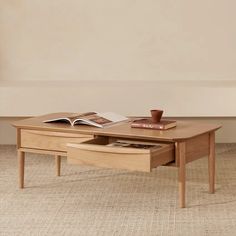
99, 120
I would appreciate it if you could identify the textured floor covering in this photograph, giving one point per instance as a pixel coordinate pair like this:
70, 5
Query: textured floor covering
92, 201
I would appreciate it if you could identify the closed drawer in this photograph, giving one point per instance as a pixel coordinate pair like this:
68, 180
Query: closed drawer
50, 140
140, 156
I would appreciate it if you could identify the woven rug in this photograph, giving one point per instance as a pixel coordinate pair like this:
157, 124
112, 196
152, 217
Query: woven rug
94, 201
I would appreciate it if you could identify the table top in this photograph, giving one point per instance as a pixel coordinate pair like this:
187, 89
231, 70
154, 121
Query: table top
184, 129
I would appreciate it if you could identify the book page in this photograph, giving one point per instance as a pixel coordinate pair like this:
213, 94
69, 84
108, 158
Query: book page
96, 118
81, 116
132, 145
113, 116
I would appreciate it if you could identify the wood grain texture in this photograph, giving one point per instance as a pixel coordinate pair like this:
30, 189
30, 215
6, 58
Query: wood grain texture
197, 147
58, 165
184, 130
211, 162
185, 143
45, 152
182, 179
18, 137
21, 168
47, 140
95, 152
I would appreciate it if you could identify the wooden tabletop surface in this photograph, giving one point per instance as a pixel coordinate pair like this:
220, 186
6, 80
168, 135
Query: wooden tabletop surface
184, 129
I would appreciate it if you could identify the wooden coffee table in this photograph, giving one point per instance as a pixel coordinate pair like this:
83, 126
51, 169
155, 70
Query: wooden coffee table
86, 145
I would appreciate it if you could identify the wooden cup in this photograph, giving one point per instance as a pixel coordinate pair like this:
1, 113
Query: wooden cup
156, 115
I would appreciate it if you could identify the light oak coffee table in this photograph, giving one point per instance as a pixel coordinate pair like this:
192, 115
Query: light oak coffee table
86, 145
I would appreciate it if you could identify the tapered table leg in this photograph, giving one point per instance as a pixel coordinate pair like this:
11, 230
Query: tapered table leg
211, 162
21, 166
58, 165
182, 180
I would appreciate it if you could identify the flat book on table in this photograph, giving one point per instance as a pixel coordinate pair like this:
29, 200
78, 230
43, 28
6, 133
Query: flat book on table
99, 120
148, 124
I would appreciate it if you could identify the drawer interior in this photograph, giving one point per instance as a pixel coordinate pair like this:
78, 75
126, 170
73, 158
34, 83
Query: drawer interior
125, 143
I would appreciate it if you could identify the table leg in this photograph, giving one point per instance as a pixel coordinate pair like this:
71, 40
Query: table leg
211, 162
21, 165
58, 165
182, 180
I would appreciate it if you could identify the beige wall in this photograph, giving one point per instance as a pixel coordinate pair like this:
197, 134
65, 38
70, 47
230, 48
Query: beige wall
117, 40
126, 56
7, 132
193, 99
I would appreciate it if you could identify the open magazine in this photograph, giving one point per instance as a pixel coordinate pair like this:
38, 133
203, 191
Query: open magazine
99, 120
133, 144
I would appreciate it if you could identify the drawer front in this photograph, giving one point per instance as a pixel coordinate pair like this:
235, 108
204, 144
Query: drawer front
97, 153
46, 140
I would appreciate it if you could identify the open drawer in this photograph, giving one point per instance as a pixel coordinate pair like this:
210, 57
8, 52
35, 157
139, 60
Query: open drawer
122, 154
